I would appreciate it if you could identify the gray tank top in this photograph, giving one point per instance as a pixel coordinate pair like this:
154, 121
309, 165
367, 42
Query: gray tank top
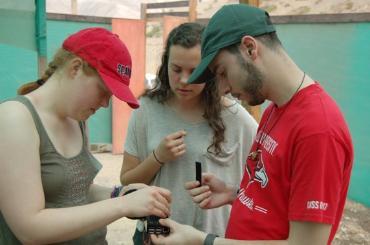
65, 181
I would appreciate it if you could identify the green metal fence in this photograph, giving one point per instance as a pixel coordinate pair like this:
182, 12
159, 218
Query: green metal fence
338, 56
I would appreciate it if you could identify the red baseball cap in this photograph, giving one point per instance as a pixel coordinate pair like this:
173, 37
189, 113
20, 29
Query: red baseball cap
104, 51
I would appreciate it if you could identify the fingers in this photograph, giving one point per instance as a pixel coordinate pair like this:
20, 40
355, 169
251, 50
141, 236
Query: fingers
207, 177
165, 193
199, 190
172, 146
160, 210
176, 142
148, 201
162, 202
178, 134
179, 150
191, 185
162, 205
176, 146
200, 197
205, 203
198, 194
158, 239
175, 138
169, 223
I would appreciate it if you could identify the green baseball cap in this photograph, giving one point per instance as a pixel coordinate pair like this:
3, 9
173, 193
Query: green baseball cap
227, 27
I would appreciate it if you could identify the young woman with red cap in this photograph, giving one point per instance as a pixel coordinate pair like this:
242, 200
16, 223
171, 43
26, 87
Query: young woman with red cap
47, 193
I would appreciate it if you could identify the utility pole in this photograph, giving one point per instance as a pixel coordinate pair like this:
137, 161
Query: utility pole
250, 2
40, 21
192, 10
74, 7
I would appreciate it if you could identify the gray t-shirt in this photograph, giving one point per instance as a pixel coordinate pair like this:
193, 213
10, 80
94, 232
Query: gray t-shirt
153, 121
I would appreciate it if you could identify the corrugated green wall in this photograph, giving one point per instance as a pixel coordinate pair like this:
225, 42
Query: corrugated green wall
17, 66
338, 56
20, 65
100, 124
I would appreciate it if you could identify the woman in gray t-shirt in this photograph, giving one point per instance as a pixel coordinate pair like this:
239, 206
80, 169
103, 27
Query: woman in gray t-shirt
178, 124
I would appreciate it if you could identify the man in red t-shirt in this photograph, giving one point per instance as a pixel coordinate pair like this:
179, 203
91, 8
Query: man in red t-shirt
302, 171
297, 174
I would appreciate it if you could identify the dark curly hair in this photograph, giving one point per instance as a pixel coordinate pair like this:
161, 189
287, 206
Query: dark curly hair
188, 35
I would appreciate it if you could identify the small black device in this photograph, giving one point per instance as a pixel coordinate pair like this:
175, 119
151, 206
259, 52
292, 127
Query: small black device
198, 172
154, 227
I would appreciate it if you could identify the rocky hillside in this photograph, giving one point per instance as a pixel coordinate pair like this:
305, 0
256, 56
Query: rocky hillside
131, 9
293, 7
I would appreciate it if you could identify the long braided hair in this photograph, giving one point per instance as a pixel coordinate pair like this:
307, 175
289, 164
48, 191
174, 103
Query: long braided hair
61, 57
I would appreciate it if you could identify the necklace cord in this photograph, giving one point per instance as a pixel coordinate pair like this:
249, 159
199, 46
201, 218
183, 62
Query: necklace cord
260, 142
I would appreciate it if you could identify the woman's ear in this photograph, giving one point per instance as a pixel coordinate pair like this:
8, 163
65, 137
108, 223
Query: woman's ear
74, 66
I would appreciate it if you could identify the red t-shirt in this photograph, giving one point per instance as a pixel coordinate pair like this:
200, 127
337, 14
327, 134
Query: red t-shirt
303, 170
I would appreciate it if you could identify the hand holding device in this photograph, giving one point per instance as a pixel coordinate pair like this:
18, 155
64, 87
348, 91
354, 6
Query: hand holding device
152, 222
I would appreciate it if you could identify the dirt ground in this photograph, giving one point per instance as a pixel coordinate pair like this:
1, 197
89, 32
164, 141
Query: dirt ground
354, 229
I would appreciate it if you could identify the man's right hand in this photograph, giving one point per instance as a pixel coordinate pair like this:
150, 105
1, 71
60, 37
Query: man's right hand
213, 193
179, 234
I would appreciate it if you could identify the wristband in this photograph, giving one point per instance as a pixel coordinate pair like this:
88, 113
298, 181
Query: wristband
115, 192
160, 162
210, 238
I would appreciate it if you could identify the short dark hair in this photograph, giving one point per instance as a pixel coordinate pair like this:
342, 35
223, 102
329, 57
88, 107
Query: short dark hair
270, 40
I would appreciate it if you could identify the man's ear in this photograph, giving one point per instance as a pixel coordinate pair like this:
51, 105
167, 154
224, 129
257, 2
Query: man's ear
248, 46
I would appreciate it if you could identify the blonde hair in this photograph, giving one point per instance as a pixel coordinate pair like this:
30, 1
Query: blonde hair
61, 57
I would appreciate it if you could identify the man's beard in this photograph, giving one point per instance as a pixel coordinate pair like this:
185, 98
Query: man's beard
252, 84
